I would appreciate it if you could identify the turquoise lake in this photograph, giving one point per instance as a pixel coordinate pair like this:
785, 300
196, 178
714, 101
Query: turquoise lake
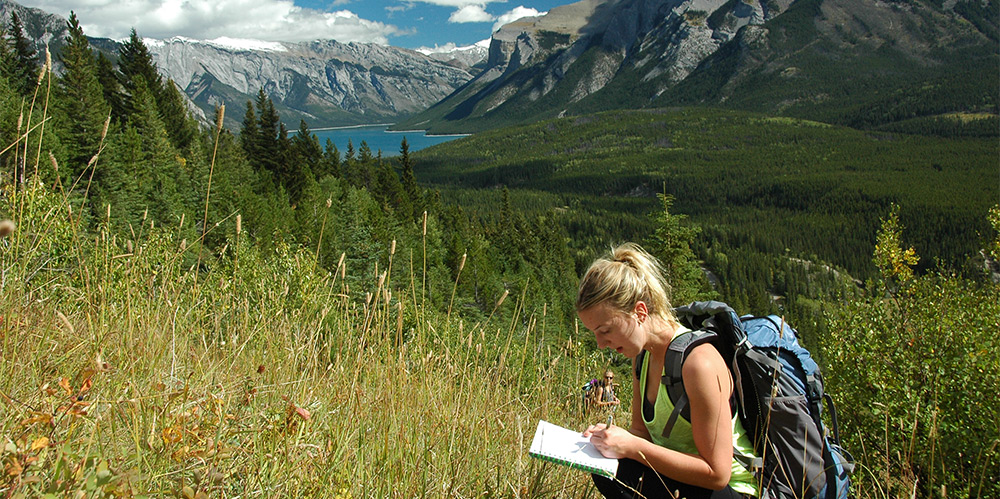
378, 138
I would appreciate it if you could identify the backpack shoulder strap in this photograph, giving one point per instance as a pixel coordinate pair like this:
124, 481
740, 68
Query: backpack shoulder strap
673, 365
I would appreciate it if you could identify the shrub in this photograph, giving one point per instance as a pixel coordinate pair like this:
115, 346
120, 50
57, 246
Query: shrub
915, 370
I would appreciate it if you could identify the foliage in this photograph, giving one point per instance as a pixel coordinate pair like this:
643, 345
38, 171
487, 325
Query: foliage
894, 263
671, 245
916, 378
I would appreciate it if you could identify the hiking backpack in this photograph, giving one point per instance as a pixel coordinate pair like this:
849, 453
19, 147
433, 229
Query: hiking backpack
778, 396
588, 391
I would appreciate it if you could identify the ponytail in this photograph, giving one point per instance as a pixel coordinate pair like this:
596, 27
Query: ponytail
624, 277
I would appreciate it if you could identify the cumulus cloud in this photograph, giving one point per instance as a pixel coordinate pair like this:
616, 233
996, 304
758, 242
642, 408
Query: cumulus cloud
470, 14
272, 20
515, 14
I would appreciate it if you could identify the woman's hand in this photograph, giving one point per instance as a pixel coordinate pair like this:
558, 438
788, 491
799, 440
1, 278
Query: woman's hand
613, 441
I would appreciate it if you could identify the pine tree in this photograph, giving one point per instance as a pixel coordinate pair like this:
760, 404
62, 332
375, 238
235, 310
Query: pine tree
268, 147
365, 168
8, 63
181, 127
80, 99
24, 74
304, 157
249, 135
409, 181
111, 87
305, 147
134, 62
162, 178
330, 164
671, 244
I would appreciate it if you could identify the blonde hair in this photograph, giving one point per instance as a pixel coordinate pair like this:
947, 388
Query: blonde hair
624, 277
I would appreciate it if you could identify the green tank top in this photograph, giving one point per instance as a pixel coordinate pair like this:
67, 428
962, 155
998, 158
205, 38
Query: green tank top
682, 440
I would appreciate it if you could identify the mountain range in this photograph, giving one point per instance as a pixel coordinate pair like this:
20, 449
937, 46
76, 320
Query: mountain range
855, 62
325, 82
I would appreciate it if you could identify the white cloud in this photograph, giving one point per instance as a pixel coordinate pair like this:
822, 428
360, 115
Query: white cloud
391, 10
272, 20
515, 14
458, 4
470, 14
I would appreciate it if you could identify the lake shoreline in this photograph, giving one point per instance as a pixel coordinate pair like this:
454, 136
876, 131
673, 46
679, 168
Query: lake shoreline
378, 137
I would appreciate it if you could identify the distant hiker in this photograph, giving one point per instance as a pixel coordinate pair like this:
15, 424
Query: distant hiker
604, 393
623, 300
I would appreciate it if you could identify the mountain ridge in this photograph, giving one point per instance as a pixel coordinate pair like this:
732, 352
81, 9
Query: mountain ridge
324, 82
818, 59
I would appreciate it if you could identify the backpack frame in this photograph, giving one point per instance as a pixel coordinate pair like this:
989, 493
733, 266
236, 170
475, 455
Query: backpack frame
778, 396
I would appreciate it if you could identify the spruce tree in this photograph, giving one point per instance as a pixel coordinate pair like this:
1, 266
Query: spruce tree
161, 176
268, 148
24, 74
7, 61
409, 181
181, 127
306, 148
304, 157
249, 135
671, 244
134, 62
330, 165
80, 99
366, 175
111, 87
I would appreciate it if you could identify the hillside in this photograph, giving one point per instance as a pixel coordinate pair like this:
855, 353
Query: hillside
870, 64
780, 185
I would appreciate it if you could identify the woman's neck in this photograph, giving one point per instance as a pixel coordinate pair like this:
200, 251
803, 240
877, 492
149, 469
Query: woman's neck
660, 333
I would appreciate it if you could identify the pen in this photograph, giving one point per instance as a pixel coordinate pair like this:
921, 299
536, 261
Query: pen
609, 420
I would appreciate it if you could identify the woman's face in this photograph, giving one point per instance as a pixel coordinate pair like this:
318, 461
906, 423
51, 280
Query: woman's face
613, 329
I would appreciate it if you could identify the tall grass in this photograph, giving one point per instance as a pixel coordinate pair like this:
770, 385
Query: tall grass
125, 374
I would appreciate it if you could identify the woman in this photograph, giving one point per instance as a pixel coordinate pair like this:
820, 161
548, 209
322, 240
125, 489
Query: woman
605, 395
623, 301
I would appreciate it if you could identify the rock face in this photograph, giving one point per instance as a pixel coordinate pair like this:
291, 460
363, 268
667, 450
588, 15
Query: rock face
775, 56
324, 82
580, 48
42, 28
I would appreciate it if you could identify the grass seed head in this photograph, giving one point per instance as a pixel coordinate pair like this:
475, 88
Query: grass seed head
222, 116
6, 227
502, 297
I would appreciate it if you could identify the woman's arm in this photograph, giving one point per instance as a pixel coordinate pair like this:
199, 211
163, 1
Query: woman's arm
708, 384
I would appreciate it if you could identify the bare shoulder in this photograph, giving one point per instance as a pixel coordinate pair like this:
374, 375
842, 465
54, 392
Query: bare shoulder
704, 362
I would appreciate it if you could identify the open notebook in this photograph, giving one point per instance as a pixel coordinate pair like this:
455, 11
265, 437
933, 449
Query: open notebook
570, 448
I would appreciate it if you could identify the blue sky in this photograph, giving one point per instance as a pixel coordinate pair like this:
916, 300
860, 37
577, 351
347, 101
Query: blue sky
402, 23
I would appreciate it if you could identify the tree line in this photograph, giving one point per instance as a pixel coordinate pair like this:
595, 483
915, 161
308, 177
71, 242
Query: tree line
120, 142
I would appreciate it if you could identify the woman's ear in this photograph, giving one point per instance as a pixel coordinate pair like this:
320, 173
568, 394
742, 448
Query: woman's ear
640, 311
